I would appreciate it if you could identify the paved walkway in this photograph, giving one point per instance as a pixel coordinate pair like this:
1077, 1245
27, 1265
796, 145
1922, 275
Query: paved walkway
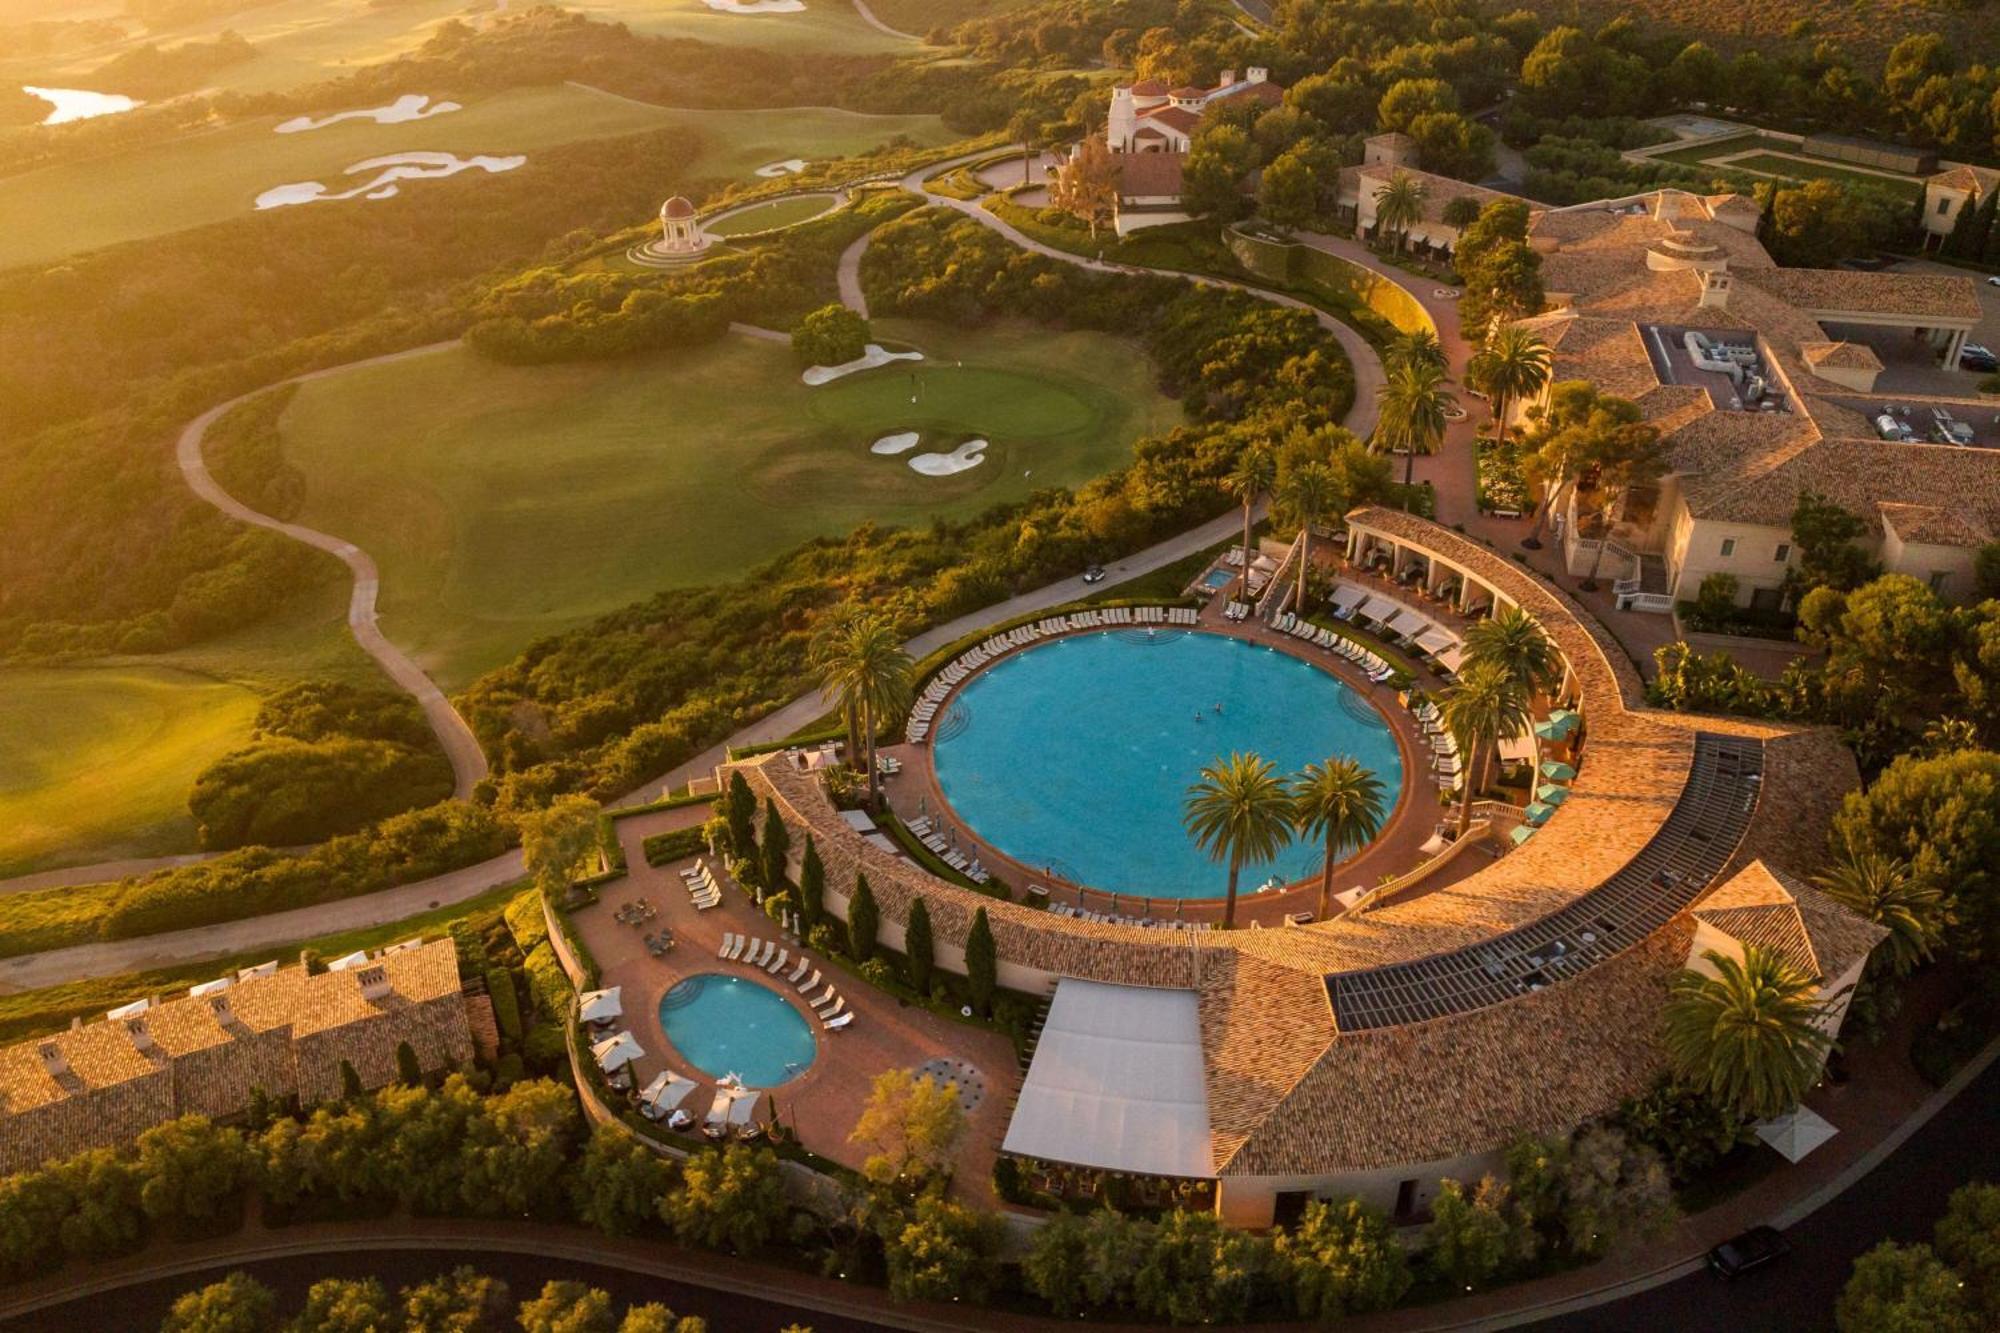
468, 761
868, 17
848, 274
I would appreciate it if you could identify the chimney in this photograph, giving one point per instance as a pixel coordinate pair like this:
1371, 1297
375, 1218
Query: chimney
225, 1016
142, 1040
1228, 78
374, 982
1256, 74
52, 1059
1715, 289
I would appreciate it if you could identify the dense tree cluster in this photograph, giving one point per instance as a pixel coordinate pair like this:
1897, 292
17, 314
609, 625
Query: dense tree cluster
163, 71
460, 1301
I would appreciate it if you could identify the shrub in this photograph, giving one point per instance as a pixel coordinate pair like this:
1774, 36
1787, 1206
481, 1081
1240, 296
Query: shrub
830, 336
666, 848
506, 1004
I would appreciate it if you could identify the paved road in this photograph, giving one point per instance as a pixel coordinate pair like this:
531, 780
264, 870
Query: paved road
848, 275
103, 872
468, 761
1899, 1200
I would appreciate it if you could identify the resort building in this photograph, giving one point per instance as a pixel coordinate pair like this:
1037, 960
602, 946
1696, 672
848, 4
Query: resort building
1948, 192
1150, 128
282, 1031
1413, 1037
1386, 157
1765, 383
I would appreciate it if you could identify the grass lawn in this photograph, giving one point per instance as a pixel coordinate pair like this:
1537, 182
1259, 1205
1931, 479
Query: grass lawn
921, 16
776, 213
96, 762
829, 26
504, 503
1801, 168
1704, 154
214, 175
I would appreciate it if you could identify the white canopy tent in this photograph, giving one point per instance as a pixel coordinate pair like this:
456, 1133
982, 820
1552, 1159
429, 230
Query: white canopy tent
601, 1006
617, 1051
1436, 640
1347, 596
1379, 609
1451, 658
1409, 623
1795, 1133
1117, 1082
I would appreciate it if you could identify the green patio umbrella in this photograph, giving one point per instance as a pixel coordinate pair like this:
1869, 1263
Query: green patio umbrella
1557, 771
1566, 717
1550, 794
1538, 813
1520, 834
1550, 731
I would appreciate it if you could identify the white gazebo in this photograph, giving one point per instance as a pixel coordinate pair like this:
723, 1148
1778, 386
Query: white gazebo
680, 228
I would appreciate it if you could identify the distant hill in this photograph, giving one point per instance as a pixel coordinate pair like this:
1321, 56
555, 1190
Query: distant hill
1864, 28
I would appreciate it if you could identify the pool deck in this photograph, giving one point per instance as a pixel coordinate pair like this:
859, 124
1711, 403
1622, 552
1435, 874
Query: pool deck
823, 1103
1394, 851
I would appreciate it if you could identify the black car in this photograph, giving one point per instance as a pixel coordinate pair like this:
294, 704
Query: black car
1095, 574
1973, 356
1753, 1249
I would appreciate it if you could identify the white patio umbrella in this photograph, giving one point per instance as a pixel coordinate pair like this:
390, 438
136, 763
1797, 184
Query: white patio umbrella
617, 1051
1795, 1133
601, 1006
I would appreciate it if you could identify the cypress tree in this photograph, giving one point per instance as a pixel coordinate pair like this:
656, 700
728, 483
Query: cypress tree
981, 963
350, 1080
917, 947
777, 846
1989, 244
740, 808
863, 918
1965, 241
409, 1070
812, 886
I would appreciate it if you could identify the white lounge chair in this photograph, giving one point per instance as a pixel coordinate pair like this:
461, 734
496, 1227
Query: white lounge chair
799, 971
806, 986
835, 1024
828, 1011
784, 956
737, 951
823, 997
728, 938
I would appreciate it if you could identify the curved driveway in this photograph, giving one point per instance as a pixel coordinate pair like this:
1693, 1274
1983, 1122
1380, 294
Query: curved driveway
468, 761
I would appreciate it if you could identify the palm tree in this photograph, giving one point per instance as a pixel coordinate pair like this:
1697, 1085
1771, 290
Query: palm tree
1341, 802
1484, 708
1514, 640
1883, 890
826, 645
1747, 1036
1256, 472
1513, 364
1414, 403
1399, 205
1416, 345
1240, 813
865, 667
1313, 492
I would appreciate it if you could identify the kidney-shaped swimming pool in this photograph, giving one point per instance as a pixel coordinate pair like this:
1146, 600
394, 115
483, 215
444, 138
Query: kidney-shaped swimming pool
729, 1025
1076, 756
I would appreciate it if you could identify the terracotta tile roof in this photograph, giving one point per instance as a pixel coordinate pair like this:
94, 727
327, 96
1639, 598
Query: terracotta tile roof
1957, 178
1438, 190
1841, 355
1936, 524
1149, 175
1173, 117
1768, 906
1916, 295
1149, 88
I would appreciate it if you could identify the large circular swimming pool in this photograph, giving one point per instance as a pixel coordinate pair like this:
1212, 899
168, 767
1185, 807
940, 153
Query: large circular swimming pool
1076, 756
729, 1025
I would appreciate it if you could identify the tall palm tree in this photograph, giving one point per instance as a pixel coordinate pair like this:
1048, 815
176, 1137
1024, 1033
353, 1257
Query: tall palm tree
1256, 472
1240, 813
1313, 492
1341, 802
1484, 708
1414, 403
1748, 1036
865, 667
1883, 890
1513, 364
1414, 346
1513, 639
826, 641
1399, 205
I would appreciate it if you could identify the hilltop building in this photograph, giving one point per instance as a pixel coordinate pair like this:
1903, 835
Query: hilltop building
282, 1031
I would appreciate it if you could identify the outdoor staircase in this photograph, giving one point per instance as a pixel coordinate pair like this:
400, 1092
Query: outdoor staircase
1647, 592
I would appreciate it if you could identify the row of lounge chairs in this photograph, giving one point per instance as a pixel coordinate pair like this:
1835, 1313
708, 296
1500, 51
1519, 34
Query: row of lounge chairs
1339, 645
1446, 765
932, 836
1115, 919
933, 697
771, 957
1237, 611
704, 889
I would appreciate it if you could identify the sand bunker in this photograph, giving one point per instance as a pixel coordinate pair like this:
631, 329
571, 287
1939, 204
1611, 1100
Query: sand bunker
791, 166
408, 107
900, 443
756, 6
962, 459
868, 360
388, 171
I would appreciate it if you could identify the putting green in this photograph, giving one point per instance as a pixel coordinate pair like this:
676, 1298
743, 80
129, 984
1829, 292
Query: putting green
213, 176
777, 213
96, 762
504, 503
823, 26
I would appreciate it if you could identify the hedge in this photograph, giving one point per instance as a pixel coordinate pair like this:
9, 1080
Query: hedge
678, 845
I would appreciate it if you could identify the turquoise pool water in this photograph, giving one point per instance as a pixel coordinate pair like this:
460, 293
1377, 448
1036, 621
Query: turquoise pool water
1218, 579
731, 1025
1077, 755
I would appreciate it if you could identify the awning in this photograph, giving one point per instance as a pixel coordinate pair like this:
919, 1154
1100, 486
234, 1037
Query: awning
600, 1006
1517, 750
1117, 1083
1347, 596
858, 820
1795, 1133
1409, 624
617, 1051
1379, 608
1436, 640
1450, 659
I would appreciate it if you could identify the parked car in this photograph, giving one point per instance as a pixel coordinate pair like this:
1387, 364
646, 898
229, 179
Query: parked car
1753, 1249
1095, 574
1977, 356
1993, 282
